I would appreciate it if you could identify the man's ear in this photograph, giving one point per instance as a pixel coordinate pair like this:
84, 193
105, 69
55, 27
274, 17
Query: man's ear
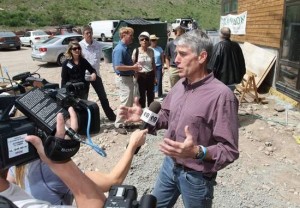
202, 57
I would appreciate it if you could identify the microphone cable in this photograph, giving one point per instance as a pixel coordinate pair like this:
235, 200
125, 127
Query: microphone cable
89, 141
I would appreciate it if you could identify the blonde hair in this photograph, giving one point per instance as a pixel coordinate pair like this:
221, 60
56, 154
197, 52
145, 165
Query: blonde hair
125, 30
68, 53
20, 175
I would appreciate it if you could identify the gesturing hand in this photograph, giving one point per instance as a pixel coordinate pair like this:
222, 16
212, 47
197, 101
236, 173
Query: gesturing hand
172, 148
131, 114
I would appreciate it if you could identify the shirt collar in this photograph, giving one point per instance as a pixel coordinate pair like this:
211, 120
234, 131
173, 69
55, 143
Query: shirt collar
86, 43
203, 81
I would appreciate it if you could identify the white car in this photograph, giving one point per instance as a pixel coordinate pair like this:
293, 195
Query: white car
52, 50
31, 38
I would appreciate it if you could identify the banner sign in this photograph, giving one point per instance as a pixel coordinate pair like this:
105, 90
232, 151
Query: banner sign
236, 23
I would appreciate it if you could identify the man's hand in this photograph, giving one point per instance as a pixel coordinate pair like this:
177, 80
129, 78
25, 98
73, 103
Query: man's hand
137, 67
187, 149
131, 114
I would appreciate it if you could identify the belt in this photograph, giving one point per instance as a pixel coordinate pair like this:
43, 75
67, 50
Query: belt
187, 169
125, 75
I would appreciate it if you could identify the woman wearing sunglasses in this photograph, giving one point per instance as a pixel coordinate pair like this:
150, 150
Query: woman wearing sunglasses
146, 77
73, 69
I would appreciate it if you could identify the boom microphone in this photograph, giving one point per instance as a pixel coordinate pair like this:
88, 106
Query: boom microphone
149, 117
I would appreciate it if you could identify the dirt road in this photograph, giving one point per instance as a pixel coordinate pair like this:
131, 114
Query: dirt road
267, 174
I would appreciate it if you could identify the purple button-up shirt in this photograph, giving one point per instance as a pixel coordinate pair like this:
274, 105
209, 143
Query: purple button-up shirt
210, 109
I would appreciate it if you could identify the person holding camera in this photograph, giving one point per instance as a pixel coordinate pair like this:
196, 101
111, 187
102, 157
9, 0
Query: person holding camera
200, 114
87, 188
73, 69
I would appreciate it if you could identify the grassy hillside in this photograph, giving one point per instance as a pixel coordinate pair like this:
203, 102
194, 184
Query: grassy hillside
39, 13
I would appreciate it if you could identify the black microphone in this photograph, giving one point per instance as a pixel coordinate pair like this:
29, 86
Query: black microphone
149, 117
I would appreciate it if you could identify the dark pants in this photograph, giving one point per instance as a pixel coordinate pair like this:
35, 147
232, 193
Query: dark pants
146, 87
99, 88
159, 77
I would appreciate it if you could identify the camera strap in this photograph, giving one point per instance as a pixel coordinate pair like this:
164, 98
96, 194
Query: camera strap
60, 150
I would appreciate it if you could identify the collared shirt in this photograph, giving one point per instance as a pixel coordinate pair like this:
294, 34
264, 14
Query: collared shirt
121, 56
92, 53
210, 109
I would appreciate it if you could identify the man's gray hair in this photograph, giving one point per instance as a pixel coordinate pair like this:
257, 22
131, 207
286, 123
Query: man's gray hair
197, 40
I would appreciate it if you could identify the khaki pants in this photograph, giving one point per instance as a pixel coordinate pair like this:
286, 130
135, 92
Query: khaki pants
127, 92
173, 74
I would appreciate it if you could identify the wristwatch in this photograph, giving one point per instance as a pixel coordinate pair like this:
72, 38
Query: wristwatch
201, 153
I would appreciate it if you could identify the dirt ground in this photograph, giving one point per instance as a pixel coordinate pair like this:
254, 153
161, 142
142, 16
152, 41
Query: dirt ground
267, 174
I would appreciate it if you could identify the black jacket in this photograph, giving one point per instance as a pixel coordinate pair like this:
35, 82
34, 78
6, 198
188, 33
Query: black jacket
227, 62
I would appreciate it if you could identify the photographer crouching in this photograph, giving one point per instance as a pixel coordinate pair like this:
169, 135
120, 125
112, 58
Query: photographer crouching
88, 189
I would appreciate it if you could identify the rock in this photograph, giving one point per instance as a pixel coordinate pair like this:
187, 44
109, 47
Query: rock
279, 108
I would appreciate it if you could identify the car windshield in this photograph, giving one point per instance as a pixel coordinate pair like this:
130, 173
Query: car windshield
39, 33
7, 34
51, 40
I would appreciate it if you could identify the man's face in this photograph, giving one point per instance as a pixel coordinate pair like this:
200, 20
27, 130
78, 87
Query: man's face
128, 37
88, 36
188, 63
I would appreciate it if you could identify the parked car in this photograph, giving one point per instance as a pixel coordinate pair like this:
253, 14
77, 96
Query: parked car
33, 37
9, 40
52, 50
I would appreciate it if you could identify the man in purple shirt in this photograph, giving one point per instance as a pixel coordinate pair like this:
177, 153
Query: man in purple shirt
200, 114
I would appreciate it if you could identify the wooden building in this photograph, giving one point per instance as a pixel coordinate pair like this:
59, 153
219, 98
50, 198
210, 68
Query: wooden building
274, 25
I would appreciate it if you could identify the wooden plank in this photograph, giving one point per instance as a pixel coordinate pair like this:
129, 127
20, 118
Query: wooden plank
258, 61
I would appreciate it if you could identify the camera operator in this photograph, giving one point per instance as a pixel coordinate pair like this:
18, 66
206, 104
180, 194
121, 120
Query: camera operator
87, 192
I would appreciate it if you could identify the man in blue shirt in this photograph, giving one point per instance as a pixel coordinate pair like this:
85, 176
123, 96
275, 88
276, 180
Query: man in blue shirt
125, 70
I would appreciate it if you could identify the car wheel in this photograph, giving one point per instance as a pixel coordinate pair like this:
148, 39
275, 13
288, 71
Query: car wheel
31, 44
103, 38
60, 59
18, 47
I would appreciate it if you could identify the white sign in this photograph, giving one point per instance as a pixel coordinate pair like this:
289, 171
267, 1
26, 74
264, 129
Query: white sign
17, 146
149, 117
236, 23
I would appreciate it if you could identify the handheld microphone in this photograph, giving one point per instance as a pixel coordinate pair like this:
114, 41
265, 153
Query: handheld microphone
149, 117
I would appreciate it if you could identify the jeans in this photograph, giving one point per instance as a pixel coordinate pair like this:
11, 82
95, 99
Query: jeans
196, 189
99, 89
159, 77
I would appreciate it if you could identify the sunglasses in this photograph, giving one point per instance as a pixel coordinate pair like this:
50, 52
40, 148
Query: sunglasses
144, 39
76, 48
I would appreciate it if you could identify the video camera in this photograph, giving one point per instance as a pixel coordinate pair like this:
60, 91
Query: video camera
125, 196
40, 105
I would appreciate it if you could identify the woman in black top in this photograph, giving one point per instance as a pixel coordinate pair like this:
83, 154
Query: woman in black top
73, 69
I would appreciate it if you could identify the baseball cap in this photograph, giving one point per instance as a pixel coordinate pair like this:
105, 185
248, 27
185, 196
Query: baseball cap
145, 34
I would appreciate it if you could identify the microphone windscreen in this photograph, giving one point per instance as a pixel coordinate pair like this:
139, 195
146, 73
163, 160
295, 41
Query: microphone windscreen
155, 107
